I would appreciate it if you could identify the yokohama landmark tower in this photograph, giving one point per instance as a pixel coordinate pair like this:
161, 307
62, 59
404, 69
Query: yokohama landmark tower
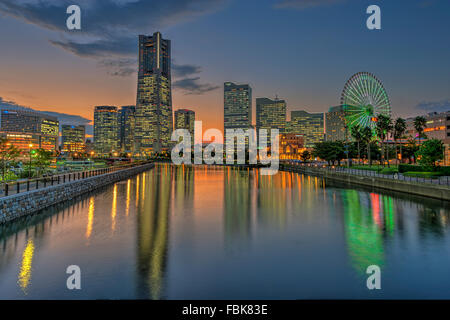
154, 96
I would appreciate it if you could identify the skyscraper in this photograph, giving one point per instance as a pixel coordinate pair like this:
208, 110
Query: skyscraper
106, 130
26, 127
73, 138
154, 95
335, 124
310, 125
237, 106
270, 114
126, 128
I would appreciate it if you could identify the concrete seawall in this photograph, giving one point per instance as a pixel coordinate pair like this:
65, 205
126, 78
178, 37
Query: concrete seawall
440, 192
27, 203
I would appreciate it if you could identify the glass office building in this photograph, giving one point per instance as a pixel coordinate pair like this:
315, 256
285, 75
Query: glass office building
335, 124
310, 125
73, 138
106, 130
127, 121
237, 111
270, 114
39, 129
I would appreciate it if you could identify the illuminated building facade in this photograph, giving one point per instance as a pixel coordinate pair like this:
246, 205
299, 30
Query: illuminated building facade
73, 138
185, 119
126, 128
335, 124
437, 127
154, 126
106, 130
291, 146
24, 125
310, 125
270, 114
237, 107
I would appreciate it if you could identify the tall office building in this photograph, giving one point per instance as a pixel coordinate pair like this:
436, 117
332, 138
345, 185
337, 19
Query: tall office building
310, 125
335, 124
26, 127
126, 128
106, 130
270, 114
73, 138
154, 95
237, 107
185, 119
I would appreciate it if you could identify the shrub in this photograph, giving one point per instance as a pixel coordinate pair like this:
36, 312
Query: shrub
388, 171
444, 170
409, 168
428, 175
371, 168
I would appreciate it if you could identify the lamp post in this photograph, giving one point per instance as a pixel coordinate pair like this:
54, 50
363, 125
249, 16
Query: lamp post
29, 168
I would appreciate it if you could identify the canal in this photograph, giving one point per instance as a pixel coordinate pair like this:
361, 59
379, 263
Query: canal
224, 233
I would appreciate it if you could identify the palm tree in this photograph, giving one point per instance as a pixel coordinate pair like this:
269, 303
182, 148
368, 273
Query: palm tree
357, 135
384, 126
399, 131
366, 136
420, 123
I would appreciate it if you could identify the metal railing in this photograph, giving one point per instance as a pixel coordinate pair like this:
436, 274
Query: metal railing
16, 187
439, 180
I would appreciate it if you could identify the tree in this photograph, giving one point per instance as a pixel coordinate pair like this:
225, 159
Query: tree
366, 137
330, 151
384, 126
42, 159
357, 135
8, 152
410, 150
305, 156
430, 151
420, 124
399, 131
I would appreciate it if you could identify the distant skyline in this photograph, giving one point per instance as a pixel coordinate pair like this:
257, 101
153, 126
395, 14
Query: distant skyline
301, 50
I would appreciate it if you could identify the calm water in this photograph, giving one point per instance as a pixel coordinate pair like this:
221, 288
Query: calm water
220, 233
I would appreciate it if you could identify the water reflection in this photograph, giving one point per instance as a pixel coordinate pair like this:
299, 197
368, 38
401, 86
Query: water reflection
90, 218
152, 230
25, 268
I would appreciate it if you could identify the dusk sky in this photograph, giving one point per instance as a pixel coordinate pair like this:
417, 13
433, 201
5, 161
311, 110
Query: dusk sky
301, 50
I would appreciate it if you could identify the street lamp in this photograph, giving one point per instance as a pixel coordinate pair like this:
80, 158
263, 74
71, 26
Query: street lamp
29, 169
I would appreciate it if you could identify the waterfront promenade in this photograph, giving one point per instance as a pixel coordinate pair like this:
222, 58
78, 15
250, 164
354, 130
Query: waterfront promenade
62, 189
433, 188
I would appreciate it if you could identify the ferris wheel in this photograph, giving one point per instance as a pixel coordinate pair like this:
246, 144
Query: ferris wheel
363, 99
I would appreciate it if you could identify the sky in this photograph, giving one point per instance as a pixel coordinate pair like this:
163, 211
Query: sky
302, 51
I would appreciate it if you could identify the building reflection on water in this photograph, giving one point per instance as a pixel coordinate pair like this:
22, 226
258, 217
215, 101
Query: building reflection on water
252, 204
155, 194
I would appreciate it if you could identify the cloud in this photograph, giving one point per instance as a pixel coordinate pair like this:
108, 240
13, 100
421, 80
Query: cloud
109, 28
183, 70
120, 67
304, 4
434, 106
63, 118
192, 86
